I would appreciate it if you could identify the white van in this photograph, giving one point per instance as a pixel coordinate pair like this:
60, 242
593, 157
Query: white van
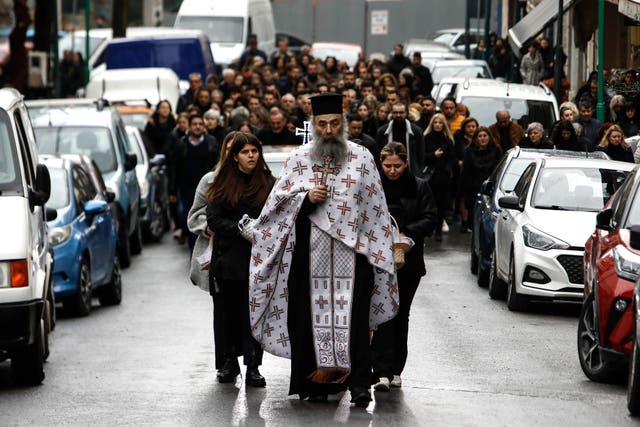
228, 24
27, 309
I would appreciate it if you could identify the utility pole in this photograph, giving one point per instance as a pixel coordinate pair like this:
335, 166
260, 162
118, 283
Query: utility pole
467, 25
87, 50
600, 105
487, 28
557, 64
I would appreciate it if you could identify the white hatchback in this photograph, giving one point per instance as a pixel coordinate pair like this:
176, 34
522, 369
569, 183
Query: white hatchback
543, 225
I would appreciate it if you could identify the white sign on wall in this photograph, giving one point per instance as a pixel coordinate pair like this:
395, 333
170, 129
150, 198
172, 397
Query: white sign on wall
379, 22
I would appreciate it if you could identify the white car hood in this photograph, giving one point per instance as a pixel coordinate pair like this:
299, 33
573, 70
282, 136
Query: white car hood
13, 227
573, 227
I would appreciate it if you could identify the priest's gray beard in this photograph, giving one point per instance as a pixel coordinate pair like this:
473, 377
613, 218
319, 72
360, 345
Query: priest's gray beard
334, 146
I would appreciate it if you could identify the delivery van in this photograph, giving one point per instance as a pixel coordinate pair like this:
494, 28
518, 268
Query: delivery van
228, 24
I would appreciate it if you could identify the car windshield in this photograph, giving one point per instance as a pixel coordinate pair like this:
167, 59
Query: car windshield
523, 111
226, 29
59, 189
445, 38
95, 142
575, 189
467, 71
10, 181
512, 174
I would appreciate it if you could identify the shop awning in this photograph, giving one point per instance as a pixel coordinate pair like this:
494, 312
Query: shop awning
534, 22
630, 8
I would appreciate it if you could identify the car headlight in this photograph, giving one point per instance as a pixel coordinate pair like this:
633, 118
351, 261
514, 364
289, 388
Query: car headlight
626, 262
58, 235
537, 239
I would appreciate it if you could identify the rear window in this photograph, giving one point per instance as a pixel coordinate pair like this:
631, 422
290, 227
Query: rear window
95, 142
523, 111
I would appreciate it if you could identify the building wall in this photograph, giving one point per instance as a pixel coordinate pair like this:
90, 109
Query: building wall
344, 20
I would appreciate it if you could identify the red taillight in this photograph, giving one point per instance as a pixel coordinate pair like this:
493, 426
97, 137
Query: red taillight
19, 274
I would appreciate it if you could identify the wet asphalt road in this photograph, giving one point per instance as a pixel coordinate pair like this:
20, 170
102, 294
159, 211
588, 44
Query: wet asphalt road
471, 362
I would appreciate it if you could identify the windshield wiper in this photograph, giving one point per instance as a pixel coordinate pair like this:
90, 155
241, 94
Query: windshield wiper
552, 207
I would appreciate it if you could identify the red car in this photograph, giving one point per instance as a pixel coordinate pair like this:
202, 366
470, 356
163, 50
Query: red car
611, 268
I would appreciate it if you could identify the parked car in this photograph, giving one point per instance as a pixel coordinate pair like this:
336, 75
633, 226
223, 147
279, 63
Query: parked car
466, 68
633, 385
456, 38
347, 52
88, 127
540, 232
84, 239
152, 179
430, 51
484, 97
611, 269
500, 183
27, 305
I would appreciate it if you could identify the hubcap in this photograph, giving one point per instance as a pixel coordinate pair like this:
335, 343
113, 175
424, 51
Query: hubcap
589, 341
85, 284
156, 226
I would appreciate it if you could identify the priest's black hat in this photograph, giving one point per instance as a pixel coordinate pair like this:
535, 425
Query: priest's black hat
326, 103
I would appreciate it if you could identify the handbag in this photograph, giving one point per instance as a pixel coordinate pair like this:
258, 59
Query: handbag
204, 259
246, 225
400, 247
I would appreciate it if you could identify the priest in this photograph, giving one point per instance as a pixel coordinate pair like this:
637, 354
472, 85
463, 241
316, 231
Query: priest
322, 271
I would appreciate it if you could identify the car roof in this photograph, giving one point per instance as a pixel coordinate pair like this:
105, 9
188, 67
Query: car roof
336, 45
498, 89
59, 114
174, 34
460, 63
534, 153
560, 162
424, 45
9, 97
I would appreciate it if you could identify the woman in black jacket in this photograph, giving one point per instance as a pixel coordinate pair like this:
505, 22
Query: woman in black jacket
461, 140
439, 160
159, 127
412, 205
241, 187
480, 158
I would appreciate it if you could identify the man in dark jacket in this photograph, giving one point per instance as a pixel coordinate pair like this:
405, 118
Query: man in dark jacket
355, 126
277, 132
504, 132
422, 75
397, 61
195, 83
194, 155
401, 130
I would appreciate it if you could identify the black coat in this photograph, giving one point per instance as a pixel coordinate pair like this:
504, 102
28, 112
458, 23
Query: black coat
181, 173
159, 134
544, 144
443, 165
415, 148
231, 252
412, 205
476, 167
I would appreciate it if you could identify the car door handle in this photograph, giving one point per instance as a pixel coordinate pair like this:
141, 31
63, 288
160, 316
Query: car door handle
505, 217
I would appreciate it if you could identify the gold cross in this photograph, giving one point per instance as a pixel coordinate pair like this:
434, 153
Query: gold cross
326, 169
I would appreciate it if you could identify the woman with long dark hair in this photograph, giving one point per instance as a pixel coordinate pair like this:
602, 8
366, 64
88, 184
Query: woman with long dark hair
412, 205
461, 140
439, 160
159, 127
240, 187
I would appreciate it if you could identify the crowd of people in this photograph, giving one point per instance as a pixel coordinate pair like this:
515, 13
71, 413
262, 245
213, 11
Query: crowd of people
270, 240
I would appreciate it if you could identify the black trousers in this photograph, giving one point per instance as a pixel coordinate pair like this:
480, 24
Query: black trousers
237, 338
389, 344
441, 193
218, 331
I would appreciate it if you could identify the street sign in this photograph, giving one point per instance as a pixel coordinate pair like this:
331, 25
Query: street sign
379, 22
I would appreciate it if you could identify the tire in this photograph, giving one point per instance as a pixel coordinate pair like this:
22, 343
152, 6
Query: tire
593, 361
483, 276
124, 247
633, 387
47, 328
474, 258
80, 303
136, 239
27, 364
157, 226
497, 287
515, 301
111, 293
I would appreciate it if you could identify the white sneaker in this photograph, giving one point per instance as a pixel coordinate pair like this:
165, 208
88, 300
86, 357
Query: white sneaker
396, 381
383, 385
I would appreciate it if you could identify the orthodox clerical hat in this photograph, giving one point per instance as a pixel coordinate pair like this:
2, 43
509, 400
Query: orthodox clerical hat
326, 103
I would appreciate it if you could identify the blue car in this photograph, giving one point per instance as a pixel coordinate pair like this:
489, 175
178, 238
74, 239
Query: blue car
500, 182
84, 239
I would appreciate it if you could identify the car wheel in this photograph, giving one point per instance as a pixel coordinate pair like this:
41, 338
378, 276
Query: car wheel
633, 387
474, 257
27, 363
80, 303
593, 361
496, 285
47, 328
483, 276
157, 225
136, 239
111, 293
515, 301
124, 248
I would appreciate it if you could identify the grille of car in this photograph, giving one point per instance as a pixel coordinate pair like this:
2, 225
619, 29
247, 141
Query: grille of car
573, 265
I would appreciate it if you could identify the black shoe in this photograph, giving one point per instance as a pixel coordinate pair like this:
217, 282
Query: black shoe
360, 396
229, 371
254, 379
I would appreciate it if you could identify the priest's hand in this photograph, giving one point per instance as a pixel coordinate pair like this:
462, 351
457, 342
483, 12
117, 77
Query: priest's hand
318, 194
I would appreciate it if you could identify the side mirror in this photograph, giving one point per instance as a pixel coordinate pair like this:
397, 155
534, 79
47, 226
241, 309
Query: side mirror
634, 237
603, 219
42, 192
510, 202
109, 196
158, 160
130, 161
50, 214
486, 187
94, 207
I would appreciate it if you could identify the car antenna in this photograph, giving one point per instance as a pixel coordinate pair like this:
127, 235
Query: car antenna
158, 87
